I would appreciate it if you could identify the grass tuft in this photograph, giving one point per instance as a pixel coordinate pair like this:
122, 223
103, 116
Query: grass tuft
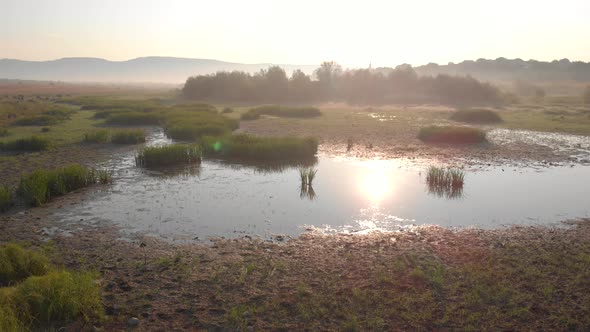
128, 136
445, 182
40, 186
6, 201
281, 111
17, 264
476, 116
97, 136
243, 146
168, 155
34, 143
452, 135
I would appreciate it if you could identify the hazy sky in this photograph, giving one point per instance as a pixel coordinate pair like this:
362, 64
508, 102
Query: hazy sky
353, 33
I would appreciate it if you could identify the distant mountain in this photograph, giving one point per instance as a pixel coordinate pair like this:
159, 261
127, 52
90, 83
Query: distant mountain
502, 69
146, 69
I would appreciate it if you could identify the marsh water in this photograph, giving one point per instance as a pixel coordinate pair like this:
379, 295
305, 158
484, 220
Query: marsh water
353, 196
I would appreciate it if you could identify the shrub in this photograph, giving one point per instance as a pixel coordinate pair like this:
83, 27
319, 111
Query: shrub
244, 146
34, 143
45, 129
58, 297
97, 136
4, 132
476, 116
281, 111
168, 155
451, 134
227, 110
5, 198
128, 136
17, 264
40, 186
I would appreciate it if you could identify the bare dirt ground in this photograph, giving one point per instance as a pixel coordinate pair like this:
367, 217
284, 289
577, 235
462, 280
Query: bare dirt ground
425, 278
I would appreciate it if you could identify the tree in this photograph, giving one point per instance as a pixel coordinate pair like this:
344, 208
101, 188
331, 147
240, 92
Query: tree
327, 75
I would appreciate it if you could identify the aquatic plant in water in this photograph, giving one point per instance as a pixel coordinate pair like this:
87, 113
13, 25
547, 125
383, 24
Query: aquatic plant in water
307, 175
445, 182
168, 155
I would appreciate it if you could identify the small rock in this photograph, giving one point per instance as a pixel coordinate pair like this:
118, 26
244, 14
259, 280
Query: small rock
133, 322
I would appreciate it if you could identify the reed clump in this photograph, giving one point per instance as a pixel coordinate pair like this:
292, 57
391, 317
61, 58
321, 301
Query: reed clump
6, 201
128, 136
446, 182
480, 116
168, 155
248, 147
40, 186
281, 111
97, 136
33, 143
452, 135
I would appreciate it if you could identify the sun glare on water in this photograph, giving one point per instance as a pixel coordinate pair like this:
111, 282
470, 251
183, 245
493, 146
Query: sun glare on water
376, 182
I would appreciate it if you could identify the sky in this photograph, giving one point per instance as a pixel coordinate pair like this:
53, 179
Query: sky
353, 33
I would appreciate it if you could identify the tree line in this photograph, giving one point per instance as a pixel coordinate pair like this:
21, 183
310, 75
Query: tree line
330, 82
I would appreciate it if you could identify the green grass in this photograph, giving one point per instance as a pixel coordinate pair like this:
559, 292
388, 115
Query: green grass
307, 175
33, 143
41, 297
249, 147
445, 182
134, 119
128, 136
5, 198
40, 186
97, 136
59, 297
281, 111
452, 135
168, 155
63, 133
18, 263
480, 116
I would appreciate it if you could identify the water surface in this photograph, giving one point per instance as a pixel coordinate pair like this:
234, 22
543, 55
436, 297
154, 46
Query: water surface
233, 200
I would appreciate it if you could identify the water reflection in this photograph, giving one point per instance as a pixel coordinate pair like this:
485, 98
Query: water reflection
443, 191
306, 191
376, 182
268, 167
174, 171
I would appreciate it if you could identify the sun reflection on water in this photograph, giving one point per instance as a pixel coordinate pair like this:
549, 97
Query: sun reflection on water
376, 182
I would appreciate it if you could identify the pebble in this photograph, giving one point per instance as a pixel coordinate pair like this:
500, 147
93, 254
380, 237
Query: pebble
132, 322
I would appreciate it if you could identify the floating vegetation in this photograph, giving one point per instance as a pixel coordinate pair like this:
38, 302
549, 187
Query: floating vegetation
34, 143
249, 147
40, 186
476, 116
128, 136
281, 111
445, 182
307, 175
5, 198
452, 134
174, 154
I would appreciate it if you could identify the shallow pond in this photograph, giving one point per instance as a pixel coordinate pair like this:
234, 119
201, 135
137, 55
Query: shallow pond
232, 200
